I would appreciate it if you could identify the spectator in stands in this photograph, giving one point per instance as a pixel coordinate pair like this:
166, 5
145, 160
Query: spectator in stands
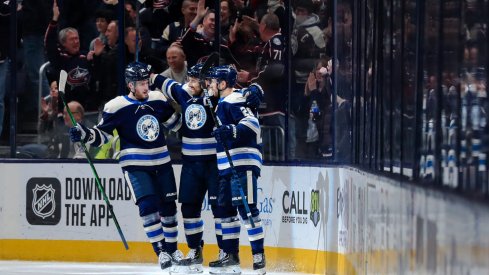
244, 42
228, 15
317, 99
146, 54
130, 8
156, 15
76, 151
174, 31
198, 40
102, 20
270, 73
308, 45
178, 65
49, 111
63, 51
105, 64
79, 15
278, 8
68, 148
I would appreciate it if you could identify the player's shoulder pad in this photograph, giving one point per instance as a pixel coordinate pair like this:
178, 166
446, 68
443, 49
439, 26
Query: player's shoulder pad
156, 95
116, 104
235, 97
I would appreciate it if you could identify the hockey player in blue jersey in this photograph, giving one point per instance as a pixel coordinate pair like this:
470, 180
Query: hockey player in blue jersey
241, 135
199, 169
144, 157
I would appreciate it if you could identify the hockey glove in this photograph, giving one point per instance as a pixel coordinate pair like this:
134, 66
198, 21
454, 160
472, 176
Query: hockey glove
225, 133
79, 133
254, 95
236, 198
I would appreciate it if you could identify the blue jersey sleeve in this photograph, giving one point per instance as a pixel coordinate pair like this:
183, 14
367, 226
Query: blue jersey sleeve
171, 89
100, 134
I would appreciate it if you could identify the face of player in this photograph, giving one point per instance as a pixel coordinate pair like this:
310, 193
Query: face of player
139, 89
72, 43
194, 86
215, 87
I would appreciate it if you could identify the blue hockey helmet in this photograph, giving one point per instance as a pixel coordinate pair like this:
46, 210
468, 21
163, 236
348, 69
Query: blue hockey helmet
225, 72
136, 71
195, 70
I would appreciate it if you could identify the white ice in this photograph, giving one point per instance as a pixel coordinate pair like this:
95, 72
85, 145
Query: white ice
68, 268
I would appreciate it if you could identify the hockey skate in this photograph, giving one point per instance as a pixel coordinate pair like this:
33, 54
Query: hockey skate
171, 263
193, 261
259, 263
226, 264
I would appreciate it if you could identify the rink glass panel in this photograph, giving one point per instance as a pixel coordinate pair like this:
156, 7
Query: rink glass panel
409, 93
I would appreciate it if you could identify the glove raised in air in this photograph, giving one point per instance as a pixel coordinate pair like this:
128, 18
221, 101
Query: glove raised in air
225, 133
254, 95
79, 133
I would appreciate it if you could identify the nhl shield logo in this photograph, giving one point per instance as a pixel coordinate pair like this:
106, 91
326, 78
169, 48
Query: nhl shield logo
315, 215
43, 203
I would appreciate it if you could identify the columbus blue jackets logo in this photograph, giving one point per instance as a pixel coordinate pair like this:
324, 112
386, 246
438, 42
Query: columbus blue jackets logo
43, 201
195, 116
315, 215
148, 128
78, 77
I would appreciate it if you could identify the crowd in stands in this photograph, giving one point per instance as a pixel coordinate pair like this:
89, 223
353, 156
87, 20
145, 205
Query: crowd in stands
82, 38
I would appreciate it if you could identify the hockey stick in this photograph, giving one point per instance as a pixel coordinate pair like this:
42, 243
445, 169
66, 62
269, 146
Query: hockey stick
61, 89
211, 60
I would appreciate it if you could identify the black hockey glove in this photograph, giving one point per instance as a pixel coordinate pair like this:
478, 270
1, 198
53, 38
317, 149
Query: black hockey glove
79, 133
225, 133
236, 198
254, 95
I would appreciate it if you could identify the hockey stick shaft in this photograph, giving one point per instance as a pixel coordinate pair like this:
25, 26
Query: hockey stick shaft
203, 71
100, 187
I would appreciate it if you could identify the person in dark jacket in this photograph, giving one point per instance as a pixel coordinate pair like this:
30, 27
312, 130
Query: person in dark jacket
63, 51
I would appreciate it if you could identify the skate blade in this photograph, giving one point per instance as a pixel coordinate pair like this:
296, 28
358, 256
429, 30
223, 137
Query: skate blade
261, 271
183, 270
228, 270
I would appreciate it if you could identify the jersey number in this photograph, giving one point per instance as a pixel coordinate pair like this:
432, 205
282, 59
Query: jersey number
246, 111
277, 55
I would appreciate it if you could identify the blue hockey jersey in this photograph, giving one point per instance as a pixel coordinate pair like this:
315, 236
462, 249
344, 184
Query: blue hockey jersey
142, 142
197, 124
245, 150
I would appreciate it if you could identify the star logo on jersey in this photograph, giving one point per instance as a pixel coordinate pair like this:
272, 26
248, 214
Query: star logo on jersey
148, 128
195, 116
